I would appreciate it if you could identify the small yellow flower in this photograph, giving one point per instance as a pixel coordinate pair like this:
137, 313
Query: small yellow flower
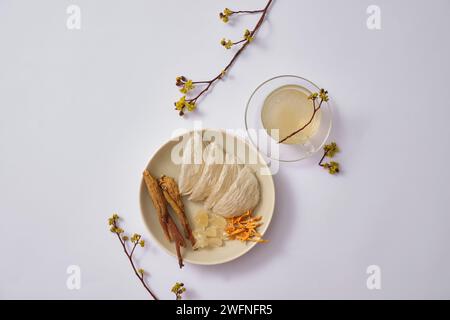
333, 167
331, 149
180, 104
142, 243
188, 86
135, 238
179, 81
224, 18
225, 15
248, 35
191, 106
323, 94
227, 12
313, 96
178, 289
141, 272
226, 43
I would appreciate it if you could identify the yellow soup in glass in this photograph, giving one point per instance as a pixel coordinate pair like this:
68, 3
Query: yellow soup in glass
289, 109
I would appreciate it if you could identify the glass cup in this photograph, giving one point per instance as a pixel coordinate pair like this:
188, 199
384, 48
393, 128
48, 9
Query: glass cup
267, 141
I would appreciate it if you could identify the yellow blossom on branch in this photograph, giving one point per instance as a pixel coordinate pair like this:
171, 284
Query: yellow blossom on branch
248, 35
188, 86
225, 15
189, 101
180, 104
226, 43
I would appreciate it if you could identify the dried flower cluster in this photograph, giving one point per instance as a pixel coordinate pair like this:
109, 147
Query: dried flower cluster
188, 101
330, 151
178, 289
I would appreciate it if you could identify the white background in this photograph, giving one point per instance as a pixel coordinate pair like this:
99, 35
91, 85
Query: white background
81, 112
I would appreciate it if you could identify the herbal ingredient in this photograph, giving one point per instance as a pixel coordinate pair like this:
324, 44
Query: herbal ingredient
168, 225
172, 195
244, 228
209, 230
227, 189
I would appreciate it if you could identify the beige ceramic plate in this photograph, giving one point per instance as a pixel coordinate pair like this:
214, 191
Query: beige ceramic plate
162, 164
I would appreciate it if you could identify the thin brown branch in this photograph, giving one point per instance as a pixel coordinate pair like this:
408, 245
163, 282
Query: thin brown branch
239, 42
200, 82
244, 42
247, 11
134, 247
306, 125
130, 258
325, 154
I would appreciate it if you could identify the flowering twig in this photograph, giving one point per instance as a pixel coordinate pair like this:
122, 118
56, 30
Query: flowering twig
227, 13
178, 289
186, 85
323, 95
135, 240
329, 151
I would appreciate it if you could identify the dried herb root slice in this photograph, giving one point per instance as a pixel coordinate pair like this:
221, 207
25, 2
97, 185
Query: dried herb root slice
158, 201
178, 238
181, 216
